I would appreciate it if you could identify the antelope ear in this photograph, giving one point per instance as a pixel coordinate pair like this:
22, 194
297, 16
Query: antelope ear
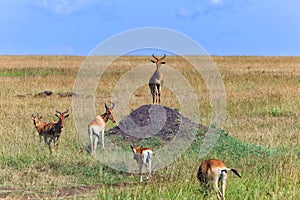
57, 115
40, 117
133, 149
163, 62
153, 61
66, 115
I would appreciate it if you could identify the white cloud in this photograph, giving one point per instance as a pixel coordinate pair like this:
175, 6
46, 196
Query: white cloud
216, 2
188, 13
66, 6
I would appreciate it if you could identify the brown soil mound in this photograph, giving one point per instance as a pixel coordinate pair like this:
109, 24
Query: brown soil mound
154, 121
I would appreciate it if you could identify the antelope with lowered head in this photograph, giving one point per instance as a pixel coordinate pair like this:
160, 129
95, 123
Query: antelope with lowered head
143, 156
213, 171
97, 125
156, 80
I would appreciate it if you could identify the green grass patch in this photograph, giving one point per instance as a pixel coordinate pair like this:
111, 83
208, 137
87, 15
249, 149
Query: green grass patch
226, 145
236, 148
30, 72
272, 112
20, 161
278, 112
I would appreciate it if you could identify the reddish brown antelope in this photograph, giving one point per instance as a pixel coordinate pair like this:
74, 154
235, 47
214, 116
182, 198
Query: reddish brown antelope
59, 125
52, 131
38, 125
213, 171
97, 125
156, 80
143, 156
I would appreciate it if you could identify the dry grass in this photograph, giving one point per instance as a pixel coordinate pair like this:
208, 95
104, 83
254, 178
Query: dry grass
262, 97
262, 92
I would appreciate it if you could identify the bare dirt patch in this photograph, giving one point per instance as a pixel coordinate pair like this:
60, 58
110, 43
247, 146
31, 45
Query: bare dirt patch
64, 192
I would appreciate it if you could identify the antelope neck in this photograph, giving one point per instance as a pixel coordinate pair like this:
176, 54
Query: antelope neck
36, 124
157, 68
104, 117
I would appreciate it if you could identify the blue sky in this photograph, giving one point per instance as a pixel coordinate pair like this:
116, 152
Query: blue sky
222, 27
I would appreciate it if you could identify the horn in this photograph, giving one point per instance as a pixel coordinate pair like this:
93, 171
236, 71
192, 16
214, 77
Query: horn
154, 57
61, 113
163, 56
112, 105
106, 107
65, 111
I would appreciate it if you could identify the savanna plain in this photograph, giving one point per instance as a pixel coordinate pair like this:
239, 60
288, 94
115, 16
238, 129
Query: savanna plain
260, 136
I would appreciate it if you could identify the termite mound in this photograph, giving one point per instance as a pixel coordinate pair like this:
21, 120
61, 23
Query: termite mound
173, 124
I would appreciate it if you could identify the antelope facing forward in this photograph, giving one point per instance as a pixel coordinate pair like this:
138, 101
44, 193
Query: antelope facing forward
52, 130
97, 125
143, 156
38, 125
59, 125
156, 80
212, 171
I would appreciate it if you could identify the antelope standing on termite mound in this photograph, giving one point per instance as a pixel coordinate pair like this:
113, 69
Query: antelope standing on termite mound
97, 125
213, 171
143, 156
156, 80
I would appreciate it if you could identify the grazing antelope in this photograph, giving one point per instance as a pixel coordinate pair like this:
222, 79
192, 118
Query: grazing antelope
97, 125
156, 80
38, 124
143, 156
214, 170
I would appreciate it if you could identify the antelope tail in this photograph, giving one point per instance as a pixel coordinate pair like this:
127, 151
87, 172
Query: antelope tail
236, 172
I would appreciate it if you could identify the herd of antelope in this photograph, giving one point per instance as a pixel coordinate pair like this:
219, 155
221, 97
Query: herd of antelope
210, 171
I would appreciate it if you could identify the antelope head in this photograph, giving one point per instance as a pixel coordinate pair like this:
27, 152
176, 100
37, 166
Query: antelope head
136, 151
158, 61
61, 116
36, 119
109, 114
